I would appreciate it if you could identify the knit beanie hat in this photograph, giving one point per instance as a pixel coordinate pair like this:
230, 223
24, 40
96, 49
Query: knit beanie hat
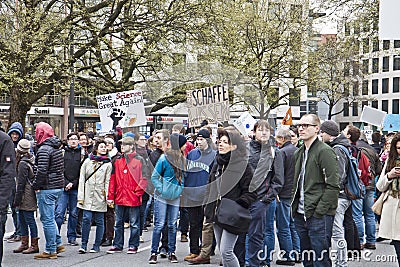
177, 141
330, 127
24, 146
203, 133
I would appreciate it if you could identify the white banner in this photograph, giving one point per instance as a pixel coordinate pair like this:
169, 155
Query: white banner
209, 103
245, 123
125, 109
389, 19
373, 116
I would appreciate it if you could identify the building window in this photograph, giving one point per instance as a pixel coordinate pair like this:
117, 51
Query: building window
366, 45
385, 86
375, 65
363, 104
365, 87
345, 109
396, 43
385, 64
375, 44
395, 84
385, 105
356, 90
294, 97
396, 63
375, 87
355, 109
347, 29
386, 44
395, 106
374, 104
365, 66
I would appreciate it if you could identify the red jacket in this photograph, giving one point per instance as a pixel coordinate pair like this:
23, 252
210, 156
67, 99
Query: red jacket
127, 182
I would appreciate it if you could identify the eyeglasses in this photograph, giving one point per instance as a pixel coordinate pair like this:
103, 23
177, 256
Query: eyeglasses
73, 139
305, 125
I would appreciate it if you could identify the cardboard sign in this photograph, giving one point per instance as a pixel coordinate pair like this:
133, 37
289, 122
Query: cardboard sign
392, 123
209, 103
388, 18
372, 116
125, 109
245, 123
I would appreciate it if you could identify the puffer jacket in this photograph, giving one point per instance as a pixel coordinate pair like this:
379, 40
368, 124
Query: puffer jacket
93, 191
50, 165
25, 197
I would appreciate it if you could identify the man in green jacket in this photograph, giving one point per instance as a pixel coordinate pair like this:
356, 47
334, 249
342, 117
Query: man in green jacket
315, 193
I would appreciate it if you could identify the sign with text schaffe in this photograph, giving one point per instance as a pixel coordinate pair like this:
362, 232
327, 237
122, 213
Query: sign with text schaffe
208, 103
125, 109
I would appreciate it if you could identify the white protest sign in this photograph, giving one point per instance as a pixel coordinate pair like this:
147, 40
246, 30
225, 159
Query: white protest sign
125, 109
245, 123
209, 103
373, 116
388, 18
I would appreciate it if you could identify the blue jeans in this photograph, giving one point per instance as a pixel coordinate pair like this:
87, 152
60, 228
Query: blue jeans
162, 209
269, 231
226, 243
133, 214
288, 238
27, 220
86, 224
68, 199
47, 200
362, 208
315, 239
255, 234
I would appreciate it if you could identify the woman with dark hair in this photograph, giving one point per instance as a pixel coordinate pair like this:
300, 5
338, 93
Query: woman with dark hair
92, 198
230, 178
389, 184
168, 178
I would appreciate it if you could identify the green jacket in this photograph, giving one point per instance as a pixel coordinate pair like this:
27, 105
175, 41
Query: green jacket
321, 180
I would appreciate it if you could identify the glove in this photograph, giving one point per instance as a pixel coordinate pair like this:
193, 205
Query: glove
242, 203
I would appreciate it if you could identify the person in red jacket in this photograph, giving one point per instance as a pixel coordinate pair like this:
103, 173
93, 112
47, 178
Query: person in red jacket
127, 185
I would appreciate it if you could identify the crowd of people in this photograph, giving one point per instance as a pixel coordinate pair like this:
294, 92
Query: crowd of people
236, 193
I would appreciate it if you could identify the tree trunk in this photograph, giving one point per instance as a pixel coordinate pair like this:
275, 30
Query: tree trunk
18, 107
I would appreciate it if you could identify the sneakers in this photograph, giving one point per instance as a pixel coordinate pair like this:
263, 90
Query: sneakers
132, 250
60, 249
72, 243
184, 238
190, 256
94, 250
163, 253
172, 258
141, 239
153, 259
9, 237
15, 239
113, 250
369, 246
82, 251
45, 256
107, 243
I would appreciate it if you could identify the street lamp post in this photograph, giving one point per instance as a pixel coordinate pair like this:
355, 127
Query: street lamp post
71, 118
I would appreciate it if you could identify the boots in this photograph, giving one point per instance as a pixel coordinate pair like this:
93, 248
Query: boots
24, 244
34, 248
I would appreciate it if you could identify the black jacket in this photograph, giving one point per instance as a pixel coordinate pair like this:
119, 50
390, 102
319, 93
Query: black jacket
72, 166
50, 165
287, 150
155, 155
7, 171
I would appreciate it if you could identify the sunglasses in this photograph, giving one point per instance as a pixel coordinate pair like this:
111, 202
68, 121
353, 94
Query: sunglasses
305, 125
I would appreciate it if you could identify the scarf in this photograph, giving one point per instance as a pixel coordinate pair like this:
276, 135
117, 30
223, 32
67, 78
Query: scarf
103, 159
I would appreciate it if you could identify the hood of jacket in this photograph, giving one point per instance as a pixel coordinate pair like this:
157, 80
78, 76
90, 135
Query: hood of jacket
17, 127
43, 132
340, 140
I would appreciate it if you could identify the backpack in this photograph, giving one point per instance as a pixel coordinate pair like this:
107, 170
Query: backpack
364, 165
353, 186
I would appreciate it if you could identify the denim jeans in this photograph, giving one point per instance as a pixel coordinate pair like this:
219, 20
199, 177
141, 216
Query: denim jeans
68, 199
27, 222
339, 243
288, 238
165, 212
255, 234
14, 213
226, 242
86, 224
315, 239
47, 200
142, 216
133, 215
3, 219
362, 208
269, 231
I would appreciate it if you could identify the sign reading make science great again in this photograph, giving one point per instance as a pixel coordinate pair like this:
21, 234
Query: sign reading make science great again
125, 109
208, 103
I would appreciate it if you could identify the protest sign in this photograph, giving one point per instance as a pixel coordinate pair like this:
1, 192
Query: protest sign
245, 123
392, 123
388, 18
125, 109
209, 103
372, 116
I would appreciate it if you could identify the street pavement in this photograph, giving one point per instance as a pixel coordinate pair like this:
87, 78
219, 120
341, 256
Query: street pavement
371, 258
